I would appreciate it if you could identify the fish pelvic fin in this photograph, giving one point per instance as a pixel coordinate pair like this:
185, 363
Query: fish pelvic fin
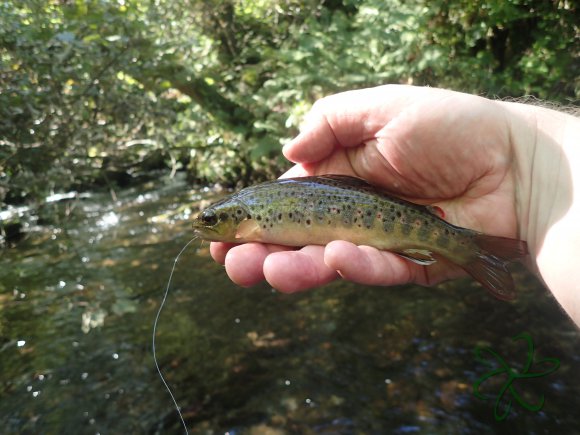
490, 265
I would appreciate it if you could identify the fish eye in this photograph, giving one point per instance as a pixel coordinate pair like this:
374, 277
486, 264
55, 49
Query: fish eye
208, 217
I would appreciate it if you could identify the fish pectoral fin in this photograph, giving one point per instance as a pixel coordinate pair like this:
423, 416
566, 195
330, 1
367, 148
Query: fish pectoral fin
248, 230
419, 256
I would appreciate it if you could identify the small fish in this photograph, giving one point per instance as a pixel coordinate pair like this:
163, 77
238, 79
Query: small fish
317, 210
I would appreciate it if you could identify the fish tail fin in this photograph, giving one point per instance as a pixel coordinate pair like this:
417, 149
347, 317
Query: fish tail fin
490, 266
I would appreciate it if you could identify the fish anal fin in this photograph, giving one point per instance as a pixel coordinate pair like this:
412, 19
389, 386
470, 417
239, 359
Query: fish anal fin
419, 256
248, 230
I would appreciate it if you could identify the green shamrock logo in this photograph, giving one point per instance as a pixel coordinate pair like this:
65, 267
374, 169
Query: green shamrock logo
513, 374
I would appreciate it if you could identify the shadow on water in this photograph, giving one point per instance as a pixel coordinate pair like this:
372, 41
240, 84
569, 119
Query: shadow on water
78, 301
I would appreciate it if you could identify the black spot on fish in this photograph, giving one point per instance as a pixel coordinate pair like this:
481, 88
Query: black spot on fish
239, 212
399, 214
259, 217
290, 215
387, 226
279, 216
308, 222
249, 216
224, 216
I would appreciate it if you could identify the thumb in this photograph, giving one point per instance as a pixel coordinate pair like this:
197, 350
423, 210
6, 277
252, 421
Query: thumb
317, 138
334, 121
347, 119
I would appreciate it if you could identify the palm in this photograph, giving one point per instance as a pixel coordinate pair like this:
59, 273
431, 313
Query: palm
437, 148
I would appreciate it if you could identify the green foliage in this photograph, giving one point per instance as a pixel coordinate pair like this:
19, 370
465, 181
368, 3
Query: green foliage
96, 92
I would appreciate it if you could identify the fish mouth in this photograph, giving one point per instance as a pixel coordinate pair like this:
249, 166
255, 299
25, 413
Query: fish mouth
206, 233
200, 230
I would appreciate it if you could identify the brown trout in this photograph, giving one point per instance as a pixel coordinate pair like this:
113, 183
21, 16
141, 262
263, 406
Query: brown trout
317, 210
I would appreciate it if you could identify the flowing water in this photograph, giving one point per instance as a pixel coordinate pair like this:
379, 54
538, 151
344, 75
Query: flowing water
78, 296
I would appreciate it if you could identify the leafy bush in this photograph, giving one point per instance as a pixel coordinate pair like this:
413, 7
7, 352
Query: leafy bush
97, 92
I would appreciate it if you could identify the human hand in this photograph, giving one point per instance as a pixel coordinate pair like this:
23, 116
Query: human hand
427, 145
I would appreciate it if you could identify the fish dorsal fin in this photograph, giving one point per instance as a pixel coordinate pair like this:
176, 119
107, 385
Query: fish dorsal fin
248, 230
345, 179
419, 256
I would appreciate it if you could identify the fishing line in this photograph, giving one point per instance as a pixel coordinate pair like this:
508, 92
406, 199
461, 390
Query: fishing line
155, 331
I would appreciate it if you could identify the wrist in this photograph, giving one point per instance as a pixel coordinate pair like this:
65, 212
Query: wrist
546, 159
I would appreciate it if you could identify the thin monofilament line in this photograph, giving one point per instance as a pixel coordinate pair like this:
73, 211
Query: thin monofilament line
155, 332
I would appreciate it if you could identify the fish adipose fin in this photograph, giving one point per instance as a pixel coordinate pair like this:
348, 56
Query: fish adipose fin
490, 266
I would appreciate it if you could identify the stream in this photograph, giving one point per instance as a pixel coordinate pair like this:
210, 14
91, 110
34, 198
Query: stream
79, 294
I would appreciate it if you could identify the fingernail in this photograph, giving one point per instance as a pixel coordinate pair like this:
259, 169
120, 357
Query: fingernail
288, 145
